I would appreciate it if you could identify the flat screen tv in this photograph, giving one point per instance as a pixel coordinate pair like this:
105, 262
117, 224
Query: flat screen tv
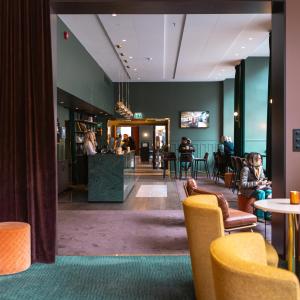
194, 119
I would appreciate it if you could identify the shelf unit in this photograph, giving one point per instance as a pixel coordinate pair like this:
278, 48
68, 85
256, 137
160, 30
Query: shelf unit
76, 129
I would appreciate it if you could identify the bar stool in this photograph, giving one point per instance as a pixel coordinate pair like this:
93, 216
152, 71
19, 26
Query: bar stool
185, 162
169, 157
198, 161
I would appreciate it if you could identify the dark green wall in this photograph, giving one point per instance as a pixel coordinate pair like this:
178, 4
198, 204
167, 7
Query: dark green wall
228, 107
79, 74
167, 100
256, 95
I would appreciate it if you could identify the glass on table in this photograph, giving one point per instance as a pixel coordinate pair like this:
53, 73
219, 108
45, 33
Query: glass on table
294, 197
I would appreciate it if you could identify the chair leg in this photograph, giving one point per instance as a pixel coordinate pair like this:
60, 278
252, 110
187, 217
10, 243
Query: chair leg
208, 171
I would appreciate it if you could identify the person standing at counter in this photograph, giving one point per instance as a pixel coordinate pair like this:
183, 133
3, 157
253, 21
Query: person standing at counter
128, 142
118, 141
89, 143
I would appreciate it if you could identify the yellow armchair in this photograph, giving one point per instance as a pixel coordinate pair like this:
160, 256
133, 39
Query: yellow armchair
204, 223
240, 270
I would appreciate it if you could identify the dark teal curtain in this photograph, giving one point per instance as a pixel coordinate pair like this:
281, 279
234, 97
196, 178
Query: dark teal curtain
239, 107
269, 115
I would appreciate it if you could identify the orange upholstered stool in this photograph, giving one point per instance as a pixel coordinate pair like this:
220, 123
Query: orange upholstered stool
246, 204
15, 254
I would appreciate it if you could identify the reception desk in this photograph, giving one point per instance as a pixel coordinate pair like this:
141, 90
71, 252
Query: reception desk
110, 177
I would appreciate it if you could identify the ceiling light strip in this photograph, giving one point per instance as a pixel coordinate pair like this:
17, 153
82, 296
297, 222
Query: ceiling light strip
179, 46
113, 46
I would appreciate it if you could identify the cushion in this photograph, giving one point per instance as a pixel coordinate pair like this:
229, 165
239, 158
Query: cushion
239, 218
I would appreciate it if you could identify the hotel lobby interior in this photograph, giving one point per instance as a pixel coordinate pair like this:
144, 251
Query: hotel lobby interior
128, 129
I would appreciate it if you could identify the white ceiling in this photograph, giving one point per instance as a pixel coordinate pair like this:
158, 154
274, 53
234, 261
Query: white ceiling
207, 46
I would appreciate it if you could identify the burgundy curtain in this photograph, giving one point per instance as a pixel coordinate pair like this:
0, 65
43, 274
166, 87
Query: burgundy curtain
27, 122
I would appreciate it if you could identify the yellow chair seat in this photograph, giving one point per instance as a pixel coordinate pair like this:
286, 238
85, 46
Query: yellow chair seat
240, 270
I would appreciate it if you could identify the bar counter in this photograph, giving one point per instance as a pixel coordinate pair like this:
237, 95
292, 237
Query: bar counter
110, 177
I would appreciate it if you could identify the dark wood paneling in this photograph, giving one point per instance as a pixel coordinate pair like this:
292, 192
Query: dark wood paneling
161, 7
278, 118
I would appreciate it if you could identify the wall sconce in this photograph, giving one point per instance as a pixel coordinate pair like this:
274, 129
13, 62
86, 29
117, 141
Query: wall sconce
271, 101
236, 116
145, 134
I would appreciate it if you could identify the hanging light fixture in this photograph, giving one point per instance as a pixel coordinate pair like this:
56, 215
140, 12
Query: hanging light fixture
122, 106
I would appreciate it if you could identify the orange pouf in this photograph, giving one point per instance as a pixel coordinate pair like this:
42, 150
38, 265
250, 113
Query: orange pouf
15, 254
228, 179
246, 204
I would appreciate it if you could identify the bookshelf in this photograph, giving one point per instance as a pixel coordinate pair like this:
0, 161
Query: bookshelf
78, 124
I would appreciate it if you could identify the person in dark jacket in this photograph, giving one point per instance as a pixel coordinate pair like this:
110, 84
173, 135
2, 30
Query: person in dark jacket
186, 150
253, 182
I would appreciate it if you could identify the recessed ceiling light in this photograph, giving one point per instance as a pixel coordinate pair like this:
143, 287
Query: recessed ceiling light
130, 57
139, 78
122, 54
118, 46
250, 38
124, 40
243, 47
128, 67
76, 108
61, 102
125, 61
134, 69
114, 15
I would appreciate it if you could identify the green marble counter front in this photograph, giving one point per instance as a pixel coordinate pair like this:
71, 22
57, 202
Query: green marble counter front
110, 177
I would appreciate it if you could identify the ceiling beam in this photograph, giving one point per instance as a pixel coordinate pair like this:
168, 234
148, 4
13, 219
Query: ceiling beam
179, 46
113, 47
161, 7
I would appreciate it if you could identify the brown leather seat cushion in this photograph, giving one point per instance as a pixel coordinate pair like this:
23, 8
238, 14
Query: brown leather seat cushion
239, 218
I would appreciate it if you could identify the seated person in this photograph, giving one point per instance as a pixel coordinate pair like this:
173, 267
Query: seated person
186, 150
253, 182
228, 146
228, 151
221, 145
89, 143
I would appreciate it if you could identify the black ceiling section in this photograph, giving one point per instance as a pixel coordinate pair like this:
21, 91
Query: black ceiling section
161, 7
72, 102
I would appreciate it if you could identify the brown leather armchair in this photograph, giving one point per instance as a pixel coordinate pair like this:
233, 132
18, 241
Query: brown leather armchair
233, 219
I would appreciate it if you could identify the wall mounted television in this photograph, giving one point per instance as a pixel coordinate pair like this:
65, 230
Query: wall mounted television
194, 119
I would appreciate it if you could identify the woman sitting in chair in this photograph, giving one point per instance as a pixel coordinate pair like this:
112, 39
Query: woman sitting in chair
253, 182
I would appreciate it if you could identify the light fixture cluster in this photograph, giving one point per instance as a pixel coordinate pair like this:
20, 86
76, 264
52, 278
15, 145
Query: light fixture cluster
122, 109
122, 106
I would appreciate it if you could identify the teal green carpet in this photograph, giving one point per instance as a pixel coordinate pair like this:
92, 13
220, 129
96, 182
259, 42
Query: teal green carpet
102, 277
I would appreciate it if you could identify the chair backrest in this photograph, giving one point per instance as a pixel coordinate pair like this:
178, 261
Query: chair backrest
240, 270
233, 162
204, 223
169, 155
191, 188
206, 156
239, 164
